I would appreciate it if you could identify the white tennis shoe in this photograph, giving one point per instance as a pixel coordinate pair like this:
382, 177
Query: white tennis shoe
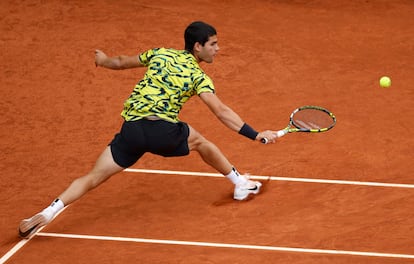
241, 192
30, 226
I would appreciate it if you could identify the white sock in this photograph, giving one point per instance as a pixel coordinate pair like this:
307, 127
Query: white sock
235, 177
54, 208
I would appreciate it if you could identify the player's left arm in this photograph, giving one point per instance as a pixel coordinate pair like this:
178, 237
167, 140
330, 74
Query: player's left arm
230, 118
118, 62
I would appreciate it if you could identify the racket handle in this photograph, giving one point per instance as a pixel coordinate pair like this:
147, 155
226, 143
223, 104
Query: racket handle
264, 140
279, 134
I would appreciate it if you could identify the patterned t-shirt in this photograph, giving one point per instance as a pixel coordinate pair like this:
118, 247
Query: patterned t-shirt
173, 76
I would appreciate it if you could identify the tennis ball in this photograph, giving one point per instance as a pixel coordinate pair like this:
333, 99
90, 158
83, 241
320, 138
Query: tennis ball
385, 82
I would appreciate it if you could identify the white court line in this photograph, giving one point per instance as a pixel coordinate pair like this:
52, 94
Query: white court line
23, 242
274, 178
235, 246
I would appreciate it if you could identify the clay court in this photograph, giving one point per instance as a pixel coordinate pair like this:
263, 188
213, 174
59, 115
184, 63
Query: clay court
344, 196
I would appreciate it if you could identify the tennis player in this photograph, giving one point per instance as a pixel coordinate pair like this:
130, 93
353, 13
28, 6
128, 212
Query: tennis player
151, 122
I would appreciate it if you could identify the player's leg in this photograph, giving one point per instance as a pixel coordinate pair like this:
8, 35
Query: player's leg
104, 168
212, 155
209, 152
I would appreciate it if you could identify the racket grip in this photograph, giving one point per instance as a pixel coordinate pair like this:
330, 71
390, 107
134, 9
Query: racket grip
264, 140
281, 133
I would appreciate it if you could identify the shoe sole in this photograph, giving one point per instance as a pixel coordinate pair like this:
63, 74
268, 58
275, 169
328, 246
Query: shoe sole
254, 190
30, 226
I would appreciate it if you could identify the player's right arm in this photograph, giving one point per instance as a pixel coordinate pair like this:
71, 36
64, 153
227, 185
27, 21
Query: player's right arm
118, 62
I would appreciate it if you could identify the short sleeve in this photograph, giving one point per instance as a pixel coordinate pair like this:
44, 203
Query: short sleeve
204, 84
146, 56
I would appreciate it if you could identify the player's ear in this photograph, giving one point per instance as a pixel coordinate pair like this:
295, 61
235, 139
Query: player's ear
197, 46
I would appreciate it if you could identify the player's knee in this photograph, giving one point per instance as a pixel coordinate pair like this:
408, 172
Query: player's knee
92, 180
196, 141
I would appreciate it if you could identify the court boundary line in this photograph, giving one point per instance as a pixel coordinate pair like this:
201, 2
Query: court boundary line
226, 245
276, 178
24, 241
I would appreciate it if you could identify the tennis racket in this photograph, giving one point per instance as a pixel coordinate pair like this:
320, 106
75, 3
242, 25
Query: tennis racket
308, 118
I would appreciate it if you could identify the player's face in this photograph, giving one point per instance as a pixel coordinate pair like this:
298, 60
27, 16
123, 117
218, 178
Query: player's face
209, 50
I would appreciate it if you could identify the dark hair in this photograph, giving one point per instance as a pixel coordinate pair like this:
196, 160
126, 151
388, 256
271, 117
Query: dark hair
197, 31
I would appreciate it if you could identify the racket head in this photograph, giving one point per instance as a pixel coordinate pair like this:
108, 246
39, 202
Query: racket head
311, 118
308, 118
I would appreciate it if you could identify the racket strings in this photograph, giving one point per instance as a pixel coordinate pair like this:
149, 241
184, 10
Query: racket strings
312, 119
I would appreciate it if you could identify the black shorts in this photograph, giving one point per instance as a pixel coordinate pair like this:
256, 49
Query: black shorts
159, 137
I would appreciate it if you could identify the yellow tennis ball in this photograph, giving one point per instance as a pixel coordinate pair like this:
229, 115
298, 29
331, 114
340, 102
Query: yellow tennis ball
385, 82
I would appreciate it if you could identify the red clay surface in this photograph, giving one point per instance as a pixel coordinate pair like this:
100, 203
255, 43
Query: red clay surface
59, 112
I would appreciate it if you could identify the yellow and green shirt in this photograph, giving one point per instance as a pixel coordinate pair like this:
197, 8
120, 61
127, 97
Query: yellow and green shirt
173, 77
